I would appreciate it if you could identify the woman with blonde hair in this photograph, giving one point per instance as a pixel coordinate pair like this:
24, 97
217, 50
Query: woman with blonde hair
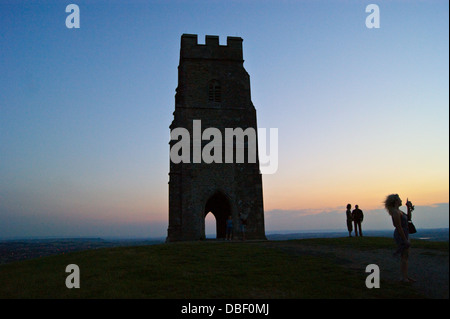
401, 234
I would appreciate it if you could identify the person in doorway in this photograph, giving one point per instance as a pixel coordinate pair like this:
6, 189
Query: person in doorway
229, 228
349, 220
358, 217
243, 220
401, 233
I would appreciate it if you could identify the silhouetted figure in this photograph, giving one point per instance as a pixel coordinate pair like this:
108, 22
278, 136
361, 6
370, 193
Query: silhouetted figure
401, 233
349, 220
410, 208
243, 220
229, 228
358, 217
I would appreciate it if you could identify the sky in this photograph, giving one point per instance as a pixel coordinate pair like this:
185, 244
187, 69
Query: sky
85, 112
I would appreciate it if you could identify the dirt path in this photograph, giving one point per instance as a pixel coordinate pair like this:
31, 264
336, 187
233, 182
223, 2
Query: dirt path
429, 267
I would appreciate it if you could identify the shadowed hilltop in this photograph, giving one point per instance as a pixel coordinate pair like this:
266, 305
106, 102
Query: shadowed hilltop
308, 268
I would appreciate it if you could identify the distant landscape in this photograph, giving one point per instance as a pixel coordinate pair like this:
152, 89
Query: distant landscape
29, 248
434, 234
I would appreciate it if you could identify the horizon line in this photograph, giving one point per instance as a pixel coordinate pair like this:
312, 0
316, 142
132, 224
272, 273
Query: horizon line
272, 232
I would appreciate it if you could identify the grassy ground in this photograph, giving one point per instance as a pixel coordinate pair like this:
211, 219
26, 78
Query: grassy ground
200, 270
368, 243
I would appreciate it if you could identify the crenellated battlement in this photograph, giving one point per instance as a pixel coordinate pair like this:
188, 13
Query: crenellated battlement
191, 49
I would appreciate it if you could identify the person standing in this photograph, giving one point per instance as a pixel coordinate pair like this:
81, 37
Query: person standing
358, 217
243, 219
410, 208
401, 233
229, 228
349, 220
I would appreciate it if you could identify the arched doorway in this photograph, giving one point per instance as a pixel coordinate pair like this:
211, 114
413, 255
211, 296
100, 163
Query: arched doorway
210, 226
219, 205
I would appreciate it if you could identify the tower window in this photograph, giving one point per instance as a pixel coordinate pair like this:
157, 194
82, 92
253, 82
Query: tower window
215, 92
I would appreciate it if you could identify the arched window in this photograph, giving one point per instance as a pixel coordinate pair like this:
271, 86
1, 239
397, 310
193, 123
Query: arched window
215, 92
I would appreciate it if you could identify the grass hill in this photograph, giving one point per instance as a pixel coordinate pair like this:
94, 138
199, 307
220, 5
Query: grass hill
210, 269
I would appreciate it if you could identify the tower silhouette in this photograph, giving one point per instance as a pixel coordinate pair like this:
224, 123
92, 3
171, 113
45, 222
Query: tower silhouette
214, 88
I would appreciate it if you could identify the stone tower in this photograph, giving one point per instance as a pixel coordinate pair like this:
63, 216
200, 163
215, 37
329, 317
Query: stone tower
214, 91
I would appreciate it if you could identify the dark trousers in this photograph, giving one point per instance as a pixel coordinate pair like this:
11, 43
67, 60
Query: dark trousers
358, 224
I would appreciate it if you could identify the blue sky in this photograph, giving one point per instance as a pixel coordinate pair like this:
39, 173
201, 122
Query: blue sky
85, 113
